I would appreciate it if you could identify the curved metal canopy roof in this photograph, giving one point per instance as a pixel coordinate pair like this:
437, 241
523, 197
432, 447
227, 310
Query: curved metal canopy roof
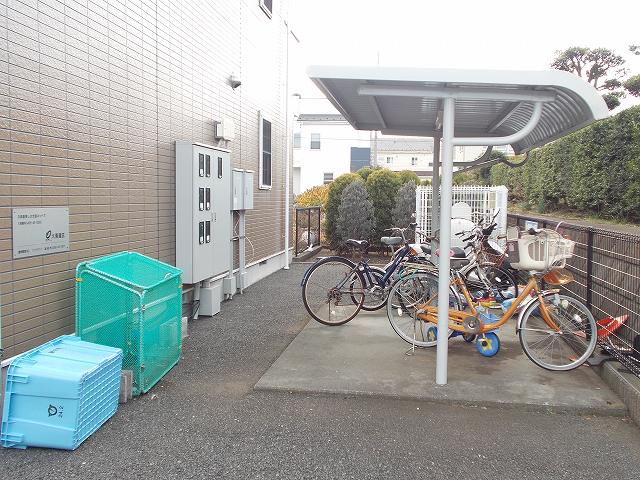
488, 103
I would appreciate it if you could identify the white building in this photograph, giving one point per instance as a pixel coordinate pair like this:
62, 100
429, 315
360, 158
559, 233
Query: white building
324, 147
404, 153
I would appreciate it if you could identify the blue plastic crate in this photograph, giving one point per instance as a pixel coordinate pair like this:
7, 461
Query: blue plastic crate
60, 393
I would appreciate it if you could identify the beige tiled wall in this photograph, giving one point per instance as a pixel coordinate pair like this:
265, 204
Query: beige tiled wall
93, 95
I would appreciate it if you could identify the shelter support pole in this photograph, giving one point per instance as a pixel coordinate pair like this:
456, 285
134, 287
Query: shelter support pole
435, 184
445, 239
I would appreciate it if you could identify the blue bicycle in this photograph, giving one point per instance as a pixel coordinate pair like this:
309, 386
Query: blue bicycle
335, 289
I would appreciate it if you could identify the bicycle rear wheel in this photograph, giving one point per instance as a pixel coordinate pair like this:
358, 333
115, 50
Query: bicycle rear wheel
569, 344
496, 280
333, 291
405, 296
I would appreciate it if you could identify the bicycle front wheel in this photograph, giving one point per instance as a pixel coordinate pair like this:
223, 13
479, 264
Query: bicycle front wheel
375, 296
563, 343
405, 297
333, 291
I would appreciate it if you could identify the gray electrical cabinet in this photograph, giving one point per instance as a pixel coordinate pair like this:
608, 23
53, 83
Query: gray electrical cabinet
203, 210
242, 189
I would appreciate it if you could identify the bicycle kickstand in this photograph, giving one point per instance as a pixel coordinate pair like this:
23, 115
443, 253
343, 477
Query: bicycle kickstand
412, 350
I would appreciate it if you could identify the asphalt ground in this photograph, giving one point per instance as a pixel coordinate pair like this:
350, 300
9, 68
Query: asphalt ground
204, 420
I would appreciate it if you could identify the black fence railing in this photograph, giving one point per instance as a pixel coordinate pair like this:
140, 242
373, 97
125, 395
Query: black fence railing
307, 228
606, 267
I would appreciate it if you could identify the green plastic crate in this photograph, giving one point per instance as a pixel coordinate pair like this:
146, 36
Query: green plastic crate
132, 302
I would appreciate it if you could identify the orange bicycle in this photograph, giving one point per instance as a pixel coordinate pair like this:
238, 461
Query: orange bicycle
556, 331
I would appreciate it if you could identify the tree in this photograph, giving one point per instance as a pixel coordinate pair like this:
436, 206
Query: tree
405, 207
382, 186
333, 202
408, 176
601, 67
632, 85
355, 214
313, 197
364, 172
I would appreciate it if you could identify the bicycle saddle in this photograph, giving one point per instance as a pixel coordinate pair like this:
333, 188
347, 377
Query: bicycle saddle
391, 240
426, 248
362, 244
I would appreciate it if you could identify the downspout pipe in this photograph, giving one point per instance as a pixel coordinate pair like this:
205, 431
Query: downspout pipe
287, 193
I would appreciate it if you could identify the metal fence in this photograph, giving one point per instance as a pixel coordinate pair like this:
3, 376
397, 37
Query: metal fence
606, 266
307, 228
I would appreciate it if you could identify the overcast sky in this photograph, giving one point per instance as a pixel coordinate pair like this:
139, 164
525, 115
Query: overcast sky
494, 34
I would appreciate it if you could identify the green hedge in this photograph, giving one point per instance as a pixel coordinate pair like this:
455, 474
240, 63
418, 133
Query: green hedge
595, 170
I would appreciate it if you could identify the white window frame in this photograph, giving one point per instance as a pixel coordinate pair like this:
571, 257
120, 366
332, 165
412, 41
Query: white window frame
324, 178
319, 142
261, 118
297, 135
414, 161
389, 160
265, 9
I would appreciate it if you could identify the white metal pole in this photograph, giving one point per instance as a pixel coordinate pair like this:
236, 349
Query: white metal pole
435, 184
445, 240
287, 159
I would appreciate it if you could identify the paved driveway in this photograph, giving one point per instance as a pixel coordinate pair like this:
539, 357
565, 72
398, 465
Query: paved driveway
204, 420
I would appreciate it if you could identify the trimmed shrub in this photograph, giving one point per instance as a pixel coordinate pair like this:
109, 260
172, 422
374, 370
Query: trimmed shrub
408, 176
595, 171
382, 186
334, 196
405, 206
355, 213
364, 172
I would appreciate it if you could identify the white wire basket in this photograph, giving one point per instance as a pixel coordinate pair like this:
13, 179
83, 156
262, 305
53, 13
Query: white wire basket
545, 250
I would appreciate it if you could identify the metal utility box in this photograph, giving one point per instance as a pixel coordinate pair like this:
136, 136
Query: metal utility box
203, 219
242, 190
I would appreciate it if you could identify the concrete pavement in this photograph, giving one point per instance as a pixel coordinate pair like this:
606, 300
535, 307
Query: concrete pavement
365, 356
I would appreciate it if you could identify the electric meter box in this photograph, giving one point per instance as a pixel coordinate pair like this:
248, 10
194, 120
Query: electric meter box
242, 190
203, 218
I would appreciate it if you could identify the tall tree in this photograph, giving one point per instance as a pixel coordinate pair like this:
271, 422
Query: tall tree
601, 67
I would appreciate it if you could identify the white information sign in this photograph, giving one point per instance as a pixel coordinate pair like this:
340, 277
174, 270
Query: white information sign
40, 231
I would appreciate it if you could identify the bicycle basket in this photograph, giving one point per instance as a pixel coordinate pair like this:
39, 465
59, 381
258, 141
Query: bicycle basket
487, 257
546, 250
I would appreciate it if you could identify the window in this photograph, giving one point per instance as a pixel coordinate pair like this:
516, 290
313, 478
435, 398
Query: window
414, 161
265, 152
267, 7
328, 177
315, 141
389, 160
297, 139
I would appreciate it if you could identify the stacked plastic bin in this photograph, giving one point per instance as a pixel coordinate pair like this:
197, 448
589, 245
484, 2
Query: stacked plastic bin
133, 302
60, 393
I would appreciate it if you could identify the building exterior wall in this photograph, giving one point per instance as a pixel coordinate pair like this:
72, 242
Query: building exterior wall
93, 95
397, 161
334, 155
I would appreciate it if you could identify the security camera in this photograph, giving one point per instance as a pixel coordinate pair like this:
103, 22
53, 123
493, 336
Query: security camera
234, 81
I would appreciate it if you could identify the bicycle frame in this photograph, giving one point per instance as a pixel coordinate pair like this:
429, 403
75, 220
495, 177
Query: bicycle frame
429, 313
365, 269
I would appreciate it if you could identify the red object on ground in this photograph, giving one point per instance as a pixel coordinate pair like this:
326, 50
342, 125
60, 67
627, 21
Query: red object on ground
608, 325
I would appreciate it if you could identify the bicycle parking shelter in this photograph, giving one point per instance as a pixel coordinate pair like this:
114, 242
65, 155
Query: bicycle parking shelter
524, 109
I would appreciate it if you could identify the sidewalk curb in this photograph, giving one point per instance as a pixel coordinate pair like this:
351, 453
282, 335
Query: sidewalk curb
444, 400
625, 384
